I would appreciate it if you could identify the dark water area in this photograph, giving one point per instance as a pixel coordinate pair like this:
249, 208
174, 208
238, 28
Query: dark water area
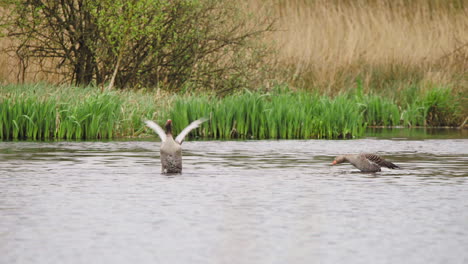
268, 201
417, 133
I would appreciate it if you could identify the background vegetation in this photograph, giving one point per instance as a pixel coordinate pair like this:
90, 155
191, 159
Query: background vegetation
174, 44
322, 44
388, 44
259, 69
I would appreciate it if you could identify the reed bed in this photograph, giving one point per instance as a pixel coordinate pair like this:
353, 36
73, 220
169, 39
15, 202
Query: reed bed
39, 118
270, 116
47, 112
389, 44
42, 112
283, 114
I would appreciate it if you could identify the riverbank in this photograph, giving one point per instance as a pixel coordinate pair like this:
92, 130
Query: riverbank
64, 112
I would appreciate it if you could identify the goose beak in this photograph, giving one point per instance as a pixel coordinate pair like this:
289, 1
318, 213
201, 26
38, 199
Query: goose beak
333, 163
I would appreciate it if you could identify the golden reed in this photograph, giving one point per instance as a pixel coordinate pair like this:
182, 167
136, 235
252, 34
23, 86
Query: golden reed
329, 43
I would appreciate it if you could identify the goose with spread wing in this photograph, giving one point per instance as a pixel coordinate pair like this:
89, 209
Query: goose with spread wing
171, 150
365, 162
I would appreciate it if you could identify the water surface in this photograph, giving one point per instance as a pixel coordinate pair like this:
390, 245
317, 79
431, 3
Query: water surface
236, 202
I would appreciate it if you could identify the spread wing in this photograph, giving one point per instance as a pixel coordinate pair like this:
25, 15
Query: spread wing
156, 129
180, 138
380, 161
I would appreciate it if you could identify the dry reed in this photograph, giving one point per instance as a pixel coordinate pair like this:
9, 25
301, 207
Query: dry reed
330, 43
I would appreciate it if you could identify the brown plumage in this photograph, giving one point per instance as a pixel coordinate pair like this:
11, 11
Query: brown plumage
365, 162
171, 149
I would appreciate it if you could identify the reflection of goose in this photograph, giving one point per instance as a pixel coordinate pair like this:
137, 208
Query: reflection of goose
365, 162
171, 151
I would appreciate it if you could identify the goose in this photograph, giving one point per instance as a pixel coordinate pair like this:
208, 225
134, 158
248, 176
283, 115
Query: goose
365, 162
171, 150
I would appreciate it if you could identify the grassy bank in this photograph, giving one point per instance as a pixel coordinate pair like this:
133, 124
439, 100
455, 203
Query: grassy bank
48, 112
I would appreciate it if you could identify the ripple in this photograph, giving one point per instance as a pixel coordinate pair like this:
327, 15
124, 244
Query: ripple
252, 201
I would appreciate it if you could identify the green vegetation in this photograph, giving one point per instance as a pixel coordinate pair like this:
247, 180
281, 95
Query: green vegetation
283, 115
209, 44
48, 112
225, 46
29, 116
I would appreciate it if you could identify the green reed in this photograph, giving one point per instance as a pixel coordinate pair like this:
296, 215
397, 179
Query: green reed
287, 115
274, 116
442, 107
95, 117
27, 118
379, 111
47, 112
435, 107
29, 115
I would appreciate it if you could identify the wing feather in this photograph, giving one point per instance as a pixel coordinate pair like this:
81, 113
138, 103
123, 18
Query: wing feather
156, 129
380, 161
180, 138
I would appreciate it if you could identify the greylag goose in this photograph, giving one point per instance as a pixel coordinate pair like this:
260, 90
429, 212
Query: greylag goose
171, 150
365, 162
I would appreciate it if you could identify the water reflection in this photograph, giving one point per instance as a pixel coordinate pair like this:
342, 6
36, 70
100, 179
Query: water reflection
417, 133
237, 201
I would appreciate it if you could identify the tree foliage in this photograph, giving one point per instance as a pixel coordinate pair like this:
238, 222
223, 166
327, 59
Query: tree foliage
141, 43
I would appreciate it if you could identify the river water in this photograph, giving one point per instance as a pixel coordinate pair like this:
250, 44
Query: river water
236, 202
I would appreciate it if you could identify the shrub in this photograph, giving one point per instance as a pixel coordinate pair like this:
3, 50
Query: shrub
151, 43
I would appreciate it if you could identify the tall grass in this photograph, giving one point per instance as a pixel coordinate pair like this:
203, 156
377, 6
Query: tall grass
34, 118
279, 115
48, 112
27, 118
287, 115
389, 44
95, 117
377, 110
45, 112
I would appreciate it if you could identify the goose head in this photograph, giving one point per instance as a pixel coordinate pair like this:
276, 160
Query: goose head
339, 159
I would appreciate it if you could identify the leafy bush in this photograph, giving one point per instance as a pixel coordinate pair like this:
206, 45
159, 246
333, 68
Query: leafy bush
151, 43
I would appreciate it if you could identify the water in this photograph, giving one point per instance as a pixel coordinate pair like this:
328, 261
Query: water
236, 202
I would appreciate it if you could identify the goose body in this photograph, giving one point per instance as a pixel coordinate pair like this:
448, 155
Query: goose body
171, 149
365, 162
171, 156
